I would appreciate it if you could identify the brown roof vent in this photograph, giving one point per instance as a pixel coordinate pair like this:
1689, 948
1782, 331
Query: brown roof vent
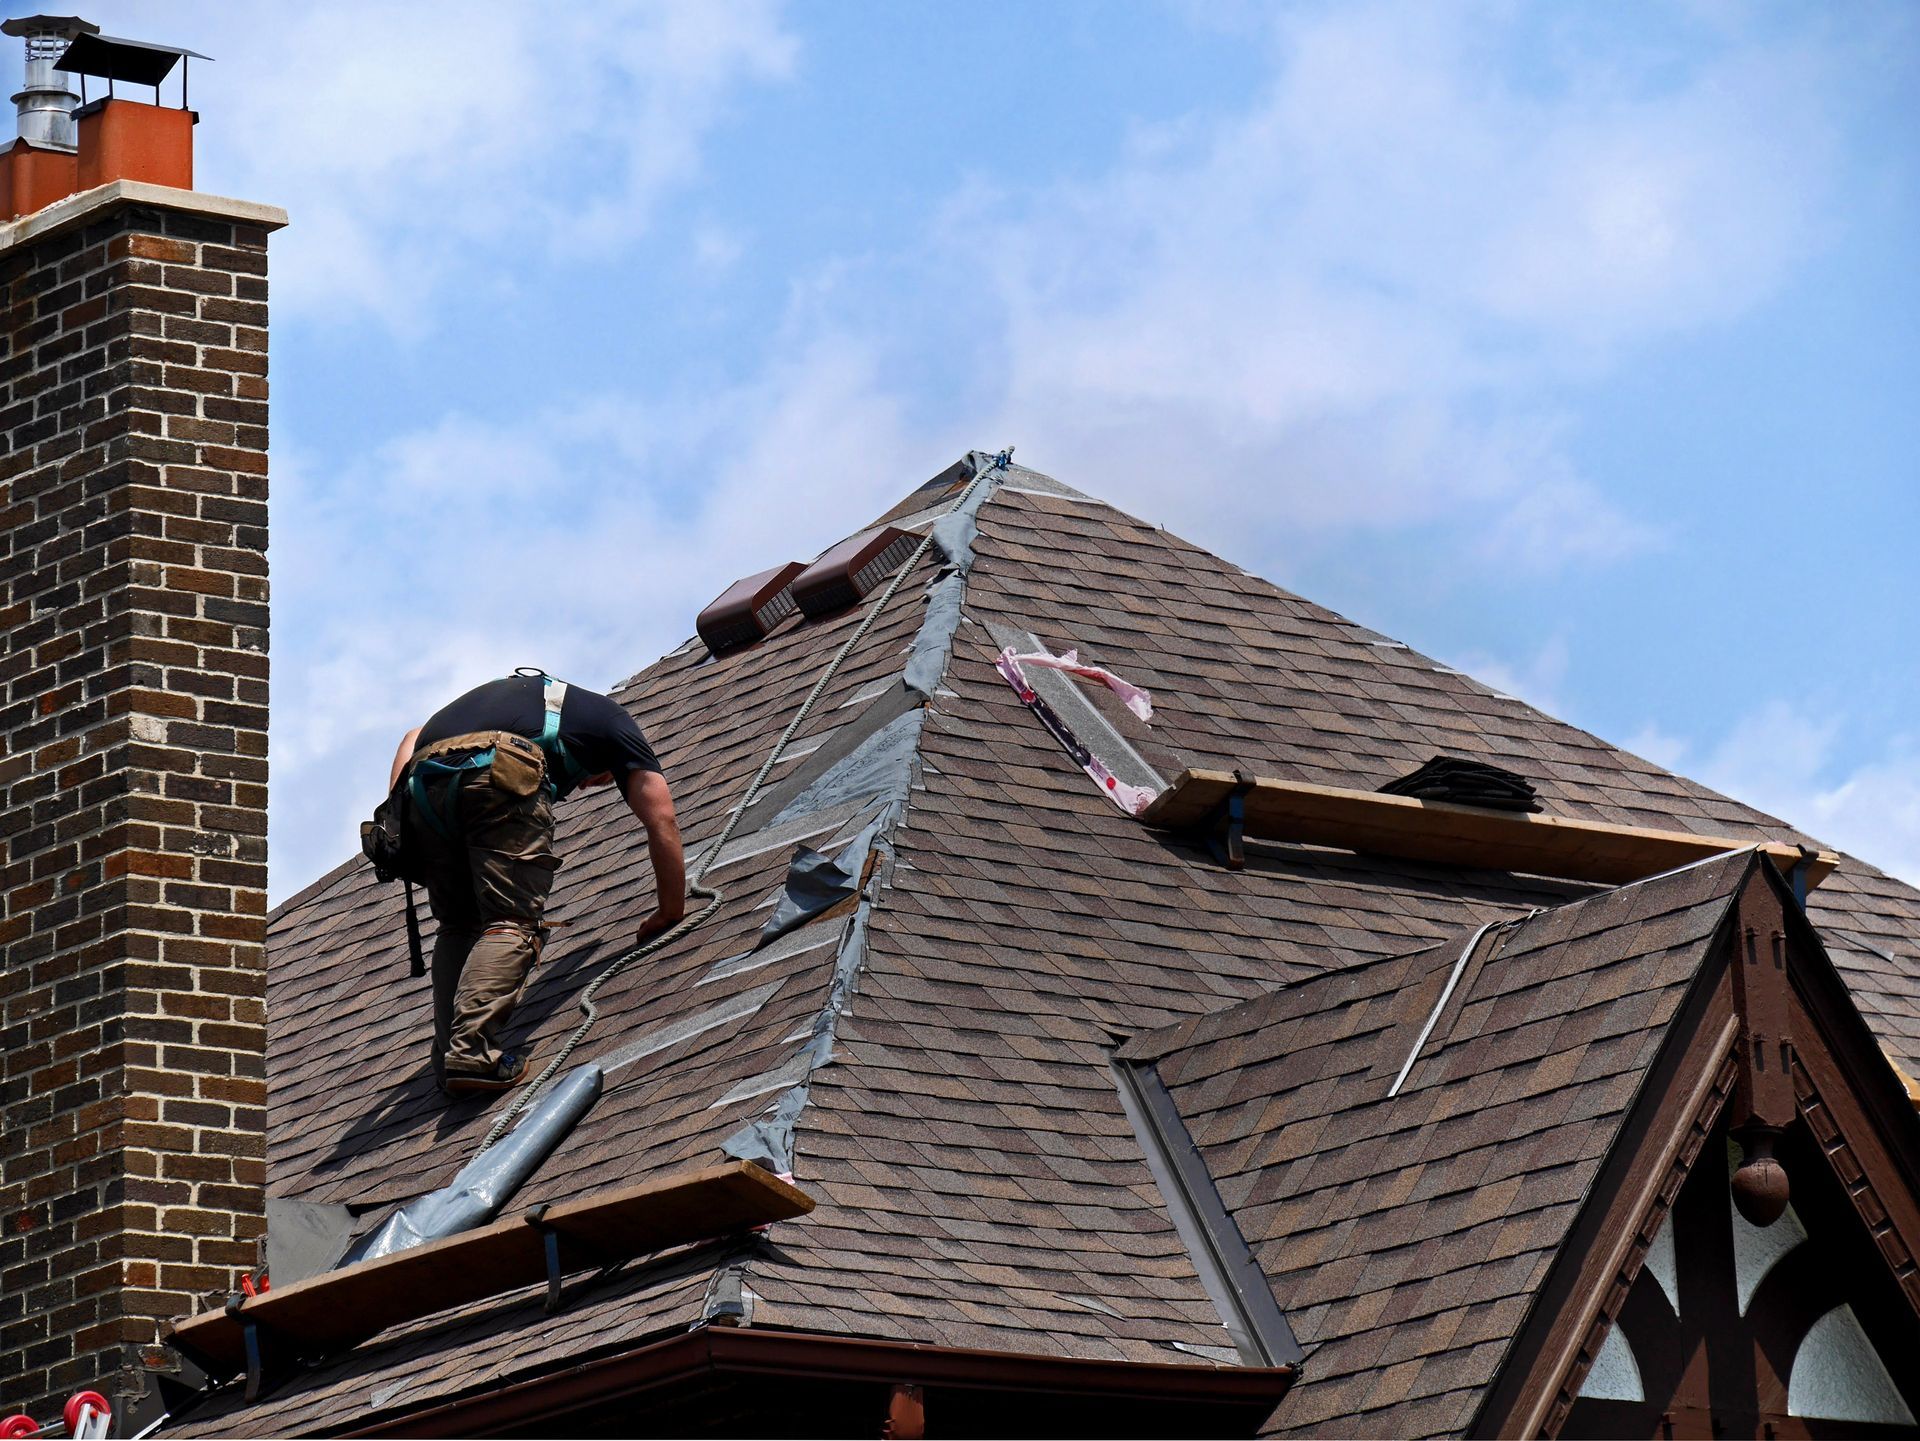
852, 569
748, 609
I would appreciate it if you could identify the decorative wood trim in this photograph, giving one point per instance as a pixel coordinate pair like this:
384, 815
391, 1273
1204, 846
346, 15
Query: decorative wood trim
1639, 1240
1858, 1182
1678, 1102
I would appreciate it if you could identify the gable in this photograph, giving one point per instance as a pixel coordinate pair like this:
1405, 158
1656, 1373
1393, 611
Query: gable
1404, 1145
1747, 1293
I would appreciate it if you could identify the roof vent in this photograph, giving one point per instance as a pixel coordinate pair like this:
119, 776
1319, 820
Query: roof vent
748, 609
852, 569
44, 103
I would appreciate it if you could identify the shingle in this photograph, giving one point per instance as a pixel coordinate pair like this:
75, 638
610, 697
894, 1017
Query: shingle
972, 1156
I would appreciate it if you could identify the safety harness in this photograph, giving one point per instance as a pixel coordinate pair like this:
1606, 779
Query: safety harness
563, 773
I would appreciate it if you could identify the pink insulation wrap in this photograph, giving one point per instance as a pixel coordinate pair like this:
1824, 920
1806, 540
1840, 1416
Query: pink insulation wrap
1135, 699
1130, 798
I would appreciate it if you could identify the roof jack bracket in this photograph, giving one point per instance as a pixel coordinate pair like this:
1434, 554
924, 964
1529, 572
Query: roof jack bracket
251, 1338
1226, 824
537, 1218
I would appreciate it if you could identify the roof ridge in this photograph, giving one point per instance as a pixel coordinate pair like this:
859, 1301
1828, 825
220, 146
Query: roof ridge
877, 767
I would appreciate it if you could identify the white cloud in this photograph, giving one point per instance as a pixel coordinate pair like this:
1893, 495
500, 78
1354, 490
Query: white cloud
565, 538
417, 144
1356, 304
1536, 679
1787, 762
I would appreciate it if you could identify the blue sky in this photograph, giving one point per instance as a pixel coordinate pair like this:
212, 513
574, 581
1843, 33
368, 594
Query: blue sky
1575, 344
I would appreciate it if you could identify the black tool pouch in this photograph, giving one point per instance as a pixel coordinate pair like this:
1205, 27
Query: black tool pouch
384, 840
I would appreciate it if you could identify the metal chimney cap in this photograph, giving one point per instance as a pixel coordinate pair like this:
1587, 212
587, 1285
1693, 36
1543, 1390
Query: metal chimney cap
69, 25
138, 62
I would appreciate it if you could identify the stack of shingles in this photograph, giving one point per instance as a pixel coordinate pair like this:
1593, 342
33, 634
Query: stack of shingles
1405, 1237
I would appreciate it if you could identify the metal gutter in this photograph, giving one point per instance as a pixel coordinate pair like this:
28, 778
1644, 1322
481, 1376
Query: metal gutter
1236, 1284
740, 1352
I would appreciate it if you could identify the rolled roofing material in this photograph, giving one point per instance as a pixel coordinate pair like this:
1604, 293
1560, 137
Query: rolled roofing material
816, 883
768, 1142
488, 1181
880, 768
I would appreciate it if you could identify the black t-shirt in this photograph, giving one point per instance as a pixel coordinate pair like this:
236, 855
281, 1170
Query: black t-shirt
597, 731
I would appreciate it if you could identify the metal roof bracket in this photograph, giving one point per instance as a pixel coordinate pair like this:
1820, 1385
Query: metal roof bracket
1225, 826
253, 1341
536, 1217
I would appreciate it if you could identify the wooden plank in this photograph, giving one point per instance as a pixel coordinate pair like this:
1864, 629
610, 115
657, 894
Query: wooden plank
1189, 799
339, 1309
1455, 835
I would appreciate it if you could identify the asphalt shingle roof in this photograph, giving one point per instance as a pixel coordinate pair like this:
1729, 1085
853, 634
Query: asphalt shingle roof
978, 1182
1406, 1235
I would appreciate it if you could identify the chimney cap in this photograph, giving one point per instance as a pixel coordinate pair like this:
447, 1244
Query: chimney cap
109, 57
69, 25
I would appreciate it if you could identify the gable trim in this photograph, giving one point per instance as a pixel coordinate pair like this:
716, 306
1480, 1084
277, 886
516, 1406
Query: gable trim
1655, 1216
1842, 1088
1679, 1100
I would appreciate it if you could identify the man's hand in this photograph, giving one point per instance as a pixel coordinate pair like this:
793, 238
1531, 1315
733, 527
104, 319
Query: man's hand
655, 924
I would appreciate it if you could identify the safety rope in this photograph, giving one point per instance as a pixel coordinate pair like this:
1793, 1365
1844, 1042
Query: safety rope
696, 887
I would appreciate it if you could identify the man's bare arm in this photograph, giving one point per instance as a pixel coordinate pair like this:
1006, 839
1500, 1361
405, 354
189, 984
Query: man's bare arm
652, 802
403, 755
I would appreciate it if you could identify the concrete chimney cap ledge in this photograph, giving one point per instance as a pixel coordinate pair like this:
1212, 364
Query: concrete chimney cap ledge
79, 209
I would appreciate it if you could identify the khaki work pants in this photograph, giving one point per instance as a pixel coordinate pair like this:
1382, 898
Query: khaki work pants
488, 887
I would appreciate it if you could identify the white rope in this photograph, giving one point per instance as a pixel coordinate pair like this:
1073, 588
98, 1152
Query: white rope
697, 887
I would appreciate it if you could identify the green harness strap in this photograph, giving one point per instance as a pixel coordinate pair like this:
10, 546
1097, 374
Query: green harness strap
560, 765
417, 789
562, 773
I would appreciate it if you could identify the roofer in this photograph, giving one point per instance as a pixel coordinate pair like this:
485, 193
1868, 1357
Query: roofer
482, 777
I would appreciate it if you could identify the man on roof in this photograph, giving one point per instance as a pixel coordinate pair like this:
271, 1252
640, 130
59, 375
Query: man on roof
482, 778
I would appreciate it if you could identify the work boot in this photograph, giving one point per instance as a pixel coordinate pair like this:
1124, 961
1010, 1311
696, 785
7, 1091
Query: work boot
503, 1077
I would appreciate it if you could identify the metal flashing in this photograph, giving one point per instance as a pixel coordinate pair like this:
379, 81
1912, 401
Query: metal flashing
1081, 716
1236, 1285
797, 944
1439, 1006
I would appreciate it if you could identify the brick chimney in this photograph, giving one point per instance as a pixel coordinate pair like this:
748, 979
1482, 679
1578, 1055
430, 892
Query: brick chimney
133, 754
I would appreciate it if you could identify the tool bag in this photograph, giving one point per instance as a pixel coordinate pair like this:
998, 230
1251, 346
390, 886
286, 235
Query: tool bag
384, 840
516, 764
